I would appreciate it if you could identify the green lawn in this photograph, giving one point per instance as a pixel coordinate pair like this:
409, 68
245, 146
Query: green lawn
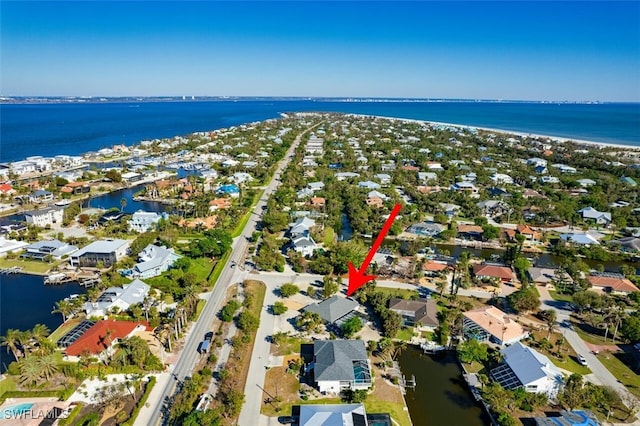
289, 346
405, 334
63, 329
201, 266
395, 410
199, 308
560, 297
32, 266
398, 292
329, 236
217, 270
623, 373
7, 384
595, 338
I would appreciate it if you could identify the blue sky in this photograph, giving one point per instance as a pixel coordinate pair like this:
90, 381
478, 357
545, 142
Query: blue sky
492, 50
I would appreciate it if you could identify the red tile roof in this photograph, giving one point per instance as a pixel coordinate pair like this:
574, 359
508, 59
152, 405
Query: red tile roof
434, 266
495, 271
94, 340
5, 187
614, 284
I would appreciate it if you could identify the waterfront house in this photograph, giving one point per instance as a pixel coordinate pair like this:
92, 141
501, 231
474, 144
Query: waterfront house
54, 248
591, 214
627, 244
334, 310
341, 364
426, 229
491, 324
582, 238
132, 177
547, 276
524, 367
495, 273
334, 415
101, 338
142, 221
76, 188
40, 196
118, 299
44, 217
422, 313
10, 246
104, 252
528, 233
606, 282
469, 232
152, 261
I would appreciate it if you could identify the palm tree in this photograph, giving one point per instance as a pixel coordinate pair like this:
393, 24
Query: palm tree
11, 340
39, 333
30, 372
64, 308
48, 365
123, 203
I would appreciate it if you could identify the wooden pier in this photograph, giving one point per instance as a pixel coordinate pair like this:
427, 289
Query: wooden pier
84, 279
12, 270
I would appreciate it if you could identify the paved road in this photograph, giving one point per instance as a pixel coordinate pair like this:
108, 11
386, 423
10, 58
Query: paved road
600, 374
230, 274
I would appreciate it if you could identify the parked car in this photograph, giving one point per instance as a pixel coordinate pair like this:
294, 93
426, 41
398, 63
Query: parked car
582, 360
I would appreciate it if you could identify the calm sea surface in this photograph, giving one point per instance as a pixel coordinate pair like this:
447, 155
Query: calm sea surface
25, 301
51, 129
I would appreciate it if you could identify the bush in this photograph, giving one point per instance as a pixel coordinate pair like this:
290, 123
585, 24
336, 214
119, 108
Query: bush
288, 290
69, 420
279, 308
229, 310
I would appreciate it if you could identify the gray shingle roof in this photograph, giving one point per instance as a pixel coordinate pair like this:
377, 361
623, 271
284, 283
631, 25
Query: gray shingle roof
332, 309
334, 359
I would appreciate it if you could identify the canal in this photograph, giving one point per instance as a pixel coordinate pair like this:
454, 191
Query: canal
441, 396
112, 199
25, 301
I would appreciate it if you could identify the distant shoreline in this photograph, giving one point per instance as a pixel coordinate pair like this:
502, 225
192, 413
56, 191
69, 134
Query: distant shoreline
552, 139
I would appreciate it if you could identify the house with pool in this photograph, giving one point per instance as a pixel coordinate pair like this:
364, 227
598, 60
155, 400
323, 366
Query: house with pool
341, 364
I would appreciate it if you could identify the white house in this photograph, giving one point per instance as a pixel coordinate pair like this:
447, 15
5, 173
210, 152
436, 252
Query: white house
601, 218
527, 368
118, 297
368, 185
153, 261
44, 217
341, 364
501, 178
142, 221
384, 178
304, 245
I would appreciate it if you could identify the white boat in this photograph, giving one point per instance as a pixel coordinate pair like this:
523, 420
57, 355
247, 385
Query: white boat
63, 203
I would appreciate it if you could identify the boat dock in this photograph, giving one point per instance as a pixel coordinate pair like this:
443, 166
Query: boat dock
12, 270
84, 279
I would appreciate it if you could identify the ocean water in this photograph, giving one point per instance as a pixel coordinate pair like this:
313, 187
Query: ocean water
75, 128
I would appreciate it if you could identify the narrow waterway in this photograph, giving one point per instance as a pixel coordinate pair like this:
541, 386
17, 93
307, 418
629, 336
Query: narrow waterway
25, 301
113, 199
441, 396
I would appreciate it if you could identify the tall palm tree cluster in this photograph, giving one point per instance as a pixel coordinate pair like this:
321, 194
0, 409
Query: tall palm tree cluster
34, 353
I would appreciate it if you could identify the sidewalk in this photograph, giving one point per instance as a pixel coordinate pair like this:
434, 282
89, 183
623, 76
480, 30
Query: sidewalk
144, 417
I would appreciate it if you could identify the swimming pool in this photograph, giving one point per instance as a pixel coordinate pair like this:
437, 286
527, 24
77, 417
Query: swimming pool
15, 411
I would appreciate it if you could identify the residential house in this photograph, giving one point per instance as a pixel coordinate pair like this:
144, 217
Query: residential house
528, 233
131, 177
427, 176
501, 179
40, 250
41, 196
491, 324
118, 299
547, 276
524, 367
76, 188
346, 175
589, 213
426, 229
450, 210
101, 338
627, 244
494, 208
376, 202
142, 221
549, 179
304, 245
384, 178
341, 364
422, 313
219, 204
464, 186
315, 186
207, 222
6, 188
333, 415
334, 310
317, 202
152, 261
301, 227
368, 185
11, 246
582, 238
605, 282
565, 169
105, 252
489, 272
434, 267
469, 232
585, 183
45, 217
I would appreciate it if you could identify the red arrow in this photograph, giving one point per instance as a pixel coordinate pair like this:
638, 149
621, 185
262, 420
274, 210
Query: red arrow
357, 277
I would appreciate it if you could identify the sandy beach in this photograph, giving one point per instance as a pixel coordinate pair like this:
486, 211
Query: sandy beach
552, 139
